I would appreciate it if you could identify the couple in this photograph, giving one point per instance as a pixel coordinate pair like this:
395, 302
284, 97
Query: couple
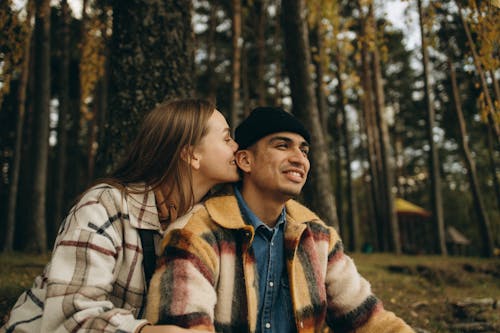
249, 260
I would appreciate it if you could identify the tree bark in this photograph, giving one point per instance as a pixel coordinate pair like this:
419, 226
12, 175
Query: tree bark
436, 197
260, 7
298, 62
151, 59
372, 137
16, 163
62, 140
317, 58
493, 167
237, 43
484, 223
387, 165
42, 109
211, 54
351, 215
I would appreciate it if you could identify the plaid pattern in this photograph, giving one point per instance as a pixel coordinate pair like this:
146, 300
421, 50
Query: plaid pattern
94, 281
208, 279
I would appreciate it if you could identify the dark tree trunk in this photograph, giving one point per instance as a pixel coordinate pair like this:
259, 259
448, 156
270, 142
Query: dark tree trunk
317, 56
484, 223
437, 202
42, 100
151, 59
236, 62
298, 60
62, 140
387, 166
211, 54
493, 167
16, 163
351, 215
260, 43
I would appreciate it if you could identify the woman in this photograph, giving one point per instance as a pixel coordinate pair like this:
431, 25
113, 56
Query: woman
95, 279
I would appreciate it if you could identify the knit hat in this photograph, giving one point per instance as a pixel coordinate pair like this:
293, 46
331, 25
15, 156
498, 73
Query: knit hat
266, 120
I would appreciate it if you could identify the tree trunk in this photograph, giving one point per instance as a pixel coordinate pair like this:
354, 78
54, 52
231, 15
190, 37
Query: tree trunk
298, 60
351, 216
16, 163
493, 168
278, 96
339, 187
317, 58
42, 109
62, 140
387, 165
492, 118
260, 7
352, 219
211, 54
245, 86
236, 62
437, 202
484, 223
373, 142
151, 59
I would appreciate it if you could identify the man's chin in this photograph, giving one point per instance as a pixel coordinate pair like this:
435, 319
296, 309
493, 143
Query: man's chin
291, 193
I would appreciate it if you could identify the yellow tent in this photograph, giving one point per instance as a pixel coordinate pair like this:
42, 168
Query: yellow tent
406, 207
413, 229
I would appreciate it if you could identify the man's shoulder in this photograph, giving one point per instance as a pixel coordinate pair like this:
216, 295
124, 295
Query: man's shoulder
299, 213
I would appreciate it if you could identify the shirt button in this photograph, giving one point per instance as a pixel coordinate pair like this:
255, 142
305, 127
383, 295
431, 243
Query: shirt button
271, 283
268, 325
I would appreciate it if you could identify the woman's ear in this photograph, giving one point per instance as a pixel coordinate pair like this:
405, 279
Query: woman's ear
243, 160
191, 156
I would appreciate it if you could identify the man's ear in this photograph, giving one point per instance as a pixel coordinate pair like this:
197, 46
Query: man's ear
244, 160
191, 156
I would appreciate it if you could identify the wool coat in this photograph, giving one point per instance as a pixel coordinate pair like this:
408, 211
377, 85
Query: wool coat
95, 280
208, 279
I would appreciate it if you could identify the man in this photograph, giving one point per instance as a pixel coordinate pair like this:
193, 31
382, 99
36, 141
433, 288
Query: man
255, 260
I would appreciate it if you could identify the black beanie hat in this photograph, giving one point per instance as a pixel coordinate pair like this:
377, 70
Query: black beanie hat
266, 120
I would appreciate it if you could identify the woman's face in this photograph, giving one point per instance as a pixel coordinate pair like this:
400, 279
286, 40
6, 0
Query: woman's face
215, 152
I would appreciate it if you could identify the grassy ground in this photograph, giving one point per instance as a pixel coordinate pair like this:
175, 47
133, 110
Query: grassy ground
423, 289
420, 289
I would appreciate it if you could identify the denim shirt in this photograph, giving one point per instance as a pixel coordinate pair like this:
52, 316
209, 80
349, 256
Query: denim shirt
275, 304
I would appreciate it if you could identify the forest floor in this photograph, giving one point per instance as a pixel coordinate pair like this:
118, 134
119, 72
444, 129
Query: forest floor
432, 294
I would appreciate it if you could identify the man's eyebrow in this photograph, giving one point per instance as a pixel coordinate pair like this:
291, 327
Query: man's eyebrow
280, 138
287, 139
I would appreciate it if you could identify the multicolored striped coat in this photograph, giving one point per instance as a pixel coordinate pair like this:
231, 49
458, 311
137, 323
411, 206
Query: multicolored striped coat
94, 281
208, 278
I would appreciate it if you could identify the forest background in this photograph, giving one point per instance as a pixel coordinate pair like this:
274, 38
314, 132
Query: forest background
389, 120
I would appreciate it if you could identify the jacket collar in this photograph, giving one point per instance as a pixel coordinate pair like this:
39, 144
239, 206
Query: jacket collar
224, 210
142, 209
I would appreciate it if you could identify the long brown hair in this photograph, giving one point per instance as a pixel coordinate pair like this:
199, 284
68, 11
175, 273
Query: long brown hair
154, 157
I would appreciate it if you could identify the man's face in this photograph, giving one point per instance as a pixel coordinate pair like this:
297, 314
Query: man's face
277, 165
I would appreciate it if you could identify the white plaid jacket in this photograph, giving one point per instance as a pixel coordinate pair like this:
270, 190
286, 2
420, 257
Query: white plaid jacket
95, 278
